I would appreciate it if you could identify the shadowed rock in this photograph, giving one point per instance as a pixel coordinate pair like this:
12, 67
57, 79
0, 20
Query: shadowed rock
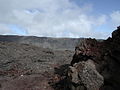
106, 57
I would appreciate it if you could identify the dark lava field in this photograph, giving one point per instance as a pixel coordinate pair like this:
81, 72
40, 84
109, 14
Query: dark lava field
44, 63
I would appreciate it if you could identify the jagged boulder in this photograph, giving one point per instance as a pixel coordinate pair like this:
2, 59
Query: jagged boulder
95, 65
83, 75
116, 34
87, 49
106, 57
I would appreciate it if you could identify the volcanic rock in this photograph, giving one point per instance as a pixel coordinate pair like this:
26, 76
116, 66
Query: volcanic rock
106, 58
84, 74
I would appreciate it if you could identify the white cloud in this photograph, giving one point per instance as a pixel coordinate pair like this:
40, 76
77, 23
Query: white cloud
57, 18
115, 17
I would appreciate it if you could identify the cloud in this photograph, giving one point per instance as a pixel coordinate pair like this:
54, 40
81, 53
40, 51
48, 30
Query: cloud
56, 18
115, 17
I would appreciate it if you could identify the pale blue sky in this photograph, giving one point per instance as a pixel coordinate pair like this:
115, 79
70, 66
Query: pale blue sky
18, 30
59, 18
101, 6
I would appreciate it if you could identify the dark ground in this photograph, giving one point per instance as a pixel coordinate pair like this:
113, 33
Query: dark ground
28, 67
32, 63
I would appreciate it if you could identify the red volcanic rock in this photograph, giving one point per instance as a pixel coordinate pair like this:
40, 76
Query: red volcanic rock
106, 56
88, 49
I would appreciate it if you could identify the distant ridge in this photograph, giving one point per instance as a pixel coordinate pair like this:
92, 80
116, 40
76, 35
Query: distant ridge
45, 42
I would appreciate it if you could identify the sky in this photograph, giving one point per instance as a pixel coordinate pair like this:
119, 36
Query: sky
59, 18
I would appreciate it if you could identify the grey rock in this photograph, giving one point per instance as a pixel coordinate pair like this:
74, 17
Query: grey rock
85, 74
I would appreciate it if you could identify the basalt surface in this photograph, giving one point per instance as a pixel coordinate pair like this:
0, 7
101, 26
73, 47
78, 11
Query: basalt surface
28, 67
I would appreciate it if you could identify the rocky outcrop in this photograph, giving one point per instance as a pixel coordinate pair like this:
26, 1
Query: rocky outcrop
83, 75
106, 58
95, 65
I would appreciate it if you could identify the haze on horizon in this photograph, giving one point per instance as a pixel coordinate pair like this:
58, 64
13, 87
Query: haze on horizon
59, 18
